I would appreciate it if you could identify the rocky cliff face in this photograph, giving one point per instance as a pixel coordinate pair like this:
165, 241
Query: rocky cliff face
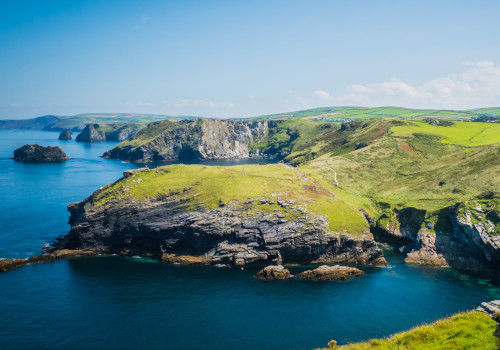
193, 139
108, 132
171, 227
464, 237
37, 153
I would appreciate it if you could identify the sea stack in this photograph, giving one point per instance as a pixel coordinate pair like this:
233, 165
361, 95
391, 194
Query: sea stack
65, 135
37, 153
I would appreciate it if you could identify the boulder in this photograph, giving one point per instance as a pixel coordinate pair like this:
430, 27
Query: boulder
273, 272
331, 273
37, 153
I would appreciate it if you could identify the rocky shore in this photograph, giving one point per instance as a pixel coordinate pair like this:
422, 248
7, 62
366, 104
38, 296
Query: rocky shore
463, 236
321, 273
11, 264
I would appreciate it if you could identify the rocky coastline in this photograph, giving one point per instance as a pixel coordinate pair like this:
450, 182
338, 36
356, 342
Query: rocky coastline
195, 139
462, 236
175, 228
108, 132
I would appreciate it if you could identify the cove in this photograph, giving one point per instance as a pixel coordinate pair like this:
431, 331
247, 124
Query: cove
115, 302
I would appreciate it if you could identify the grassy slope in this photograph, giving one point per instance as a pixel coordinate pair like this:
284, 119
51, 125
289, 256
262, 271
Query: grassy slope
211, 186
421, 170
403, 163
461, 133
152, 131
472, 330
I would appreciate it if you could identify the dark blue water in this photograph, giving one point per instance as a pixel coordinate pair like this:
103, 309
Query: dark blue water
122, 303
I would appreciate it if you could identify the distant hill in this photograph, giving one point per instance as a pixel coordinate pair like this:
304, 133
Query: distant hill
78, 122
328, 114
346, 114
29, 124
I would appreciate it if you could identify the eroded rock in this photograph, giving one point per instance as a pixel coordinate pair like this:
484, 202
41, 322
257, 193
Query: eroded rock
331, 273
273, 272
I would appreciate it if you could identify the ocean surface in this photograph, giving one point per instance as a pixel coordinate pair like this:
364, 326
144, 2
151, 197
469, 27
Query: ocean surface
126, 303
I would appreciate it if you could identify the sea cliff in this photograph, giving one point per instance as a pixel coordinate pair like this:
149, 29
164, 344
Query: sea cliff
193, 139
241, 216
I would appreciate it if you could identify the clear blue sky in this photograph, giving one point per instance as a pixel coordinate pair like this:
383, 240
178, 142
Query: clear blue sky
244, 58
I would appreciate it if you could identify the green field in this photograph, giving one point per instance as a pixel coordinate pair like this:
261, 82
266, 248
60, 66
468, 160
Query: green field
343, 113
460, 133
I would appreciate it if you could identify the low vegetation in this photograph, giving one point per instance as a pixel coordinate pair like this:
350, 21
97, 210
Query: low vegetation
471, 330
211, 187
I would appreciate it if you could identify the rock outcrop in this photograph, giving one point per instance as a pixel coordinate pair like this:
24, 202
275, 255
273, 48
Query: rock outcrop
273, 273
37, 153
176, 226
10, 264
194, 139
65, 135
462, 237
492, 309
331, 273
108, 132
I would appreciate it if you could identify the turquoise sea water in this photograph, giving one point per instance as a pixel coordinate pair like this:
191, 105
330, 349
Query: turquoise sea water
124, 303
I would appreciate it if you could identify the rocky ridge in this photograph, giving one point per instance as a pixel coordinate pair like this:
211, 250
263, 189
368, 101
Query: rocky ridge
466, 238
108, 132
193, 139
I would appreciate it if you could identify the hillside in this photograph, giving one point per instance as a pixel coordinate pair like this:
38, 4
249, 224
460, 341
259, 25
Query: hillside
430, 188
342, 114
78, 122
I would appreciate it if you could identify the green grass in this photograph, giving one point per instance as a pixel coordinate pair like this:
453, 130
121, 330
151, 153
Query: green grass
342, 113
460, 133
471, 330
208, 187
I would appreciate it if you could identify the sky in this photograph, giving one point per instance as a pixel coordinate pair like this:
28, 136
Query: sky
245, 58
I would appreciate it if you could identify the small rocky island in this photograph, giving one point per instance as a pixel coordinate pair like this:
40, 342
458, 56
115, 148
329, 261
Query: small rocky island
37, 153
65, 135
321, 273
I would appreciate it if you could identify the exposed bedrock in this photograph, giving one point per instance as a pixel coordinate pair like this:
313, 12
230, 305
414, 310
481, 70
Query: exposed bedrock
234, 234
108, 132
194, 139
463, 237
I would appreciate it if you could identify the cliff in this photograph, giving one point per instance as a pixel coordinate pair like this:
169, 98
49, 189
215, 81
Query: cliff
193, 139
249, 215
37, 153
465, 236
108, 132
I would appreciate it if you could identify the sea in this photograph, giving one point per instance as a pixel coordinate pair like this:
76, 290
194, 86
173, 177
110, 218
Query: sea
111, 302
